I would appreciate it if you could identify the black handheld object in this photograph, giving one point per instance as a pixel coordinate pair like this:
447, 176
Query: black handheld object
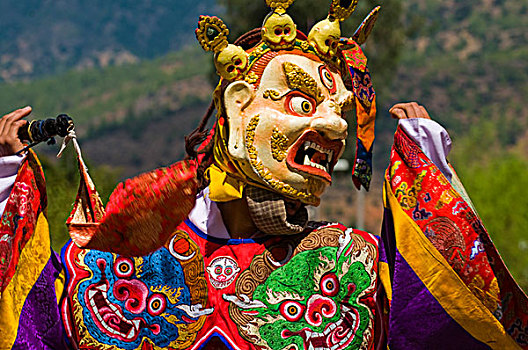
38, 131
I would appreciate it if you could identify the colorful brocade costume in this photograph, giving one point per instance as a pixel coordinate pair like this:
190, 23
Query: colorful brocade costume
315, 291
321, 289
432, 280
449, 287
31, 281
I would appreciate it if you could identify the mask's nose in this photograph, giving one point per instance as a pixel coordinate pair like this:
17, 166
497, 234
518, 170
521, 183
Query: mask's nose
133, 293
329, 122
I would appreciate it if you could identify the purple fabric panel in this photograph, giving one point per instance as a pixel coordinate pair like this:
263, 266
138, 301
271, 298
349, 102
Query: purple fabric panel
417, 320
387, 248
40, 325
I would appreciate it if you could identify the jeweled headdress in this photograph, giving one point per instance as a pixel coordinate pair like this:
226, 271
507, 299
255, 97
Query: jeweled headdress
279, 35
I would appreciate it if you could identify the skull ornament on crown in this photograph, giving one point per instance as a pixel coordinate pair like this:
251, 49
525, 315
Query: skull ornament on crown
280, 104
279, 30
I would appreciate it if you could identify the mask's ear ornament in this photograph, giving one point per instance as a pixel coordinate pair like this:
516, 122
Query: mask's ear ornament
278, 30
231, 61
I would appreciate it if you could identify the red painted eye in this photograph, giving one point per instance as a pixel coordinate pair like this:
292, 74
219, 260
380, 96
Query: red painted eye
300, 105
278, 31
291, 310
157, 304
218, 270
123, 267
228, 270
238, 62
329, 284
286, 30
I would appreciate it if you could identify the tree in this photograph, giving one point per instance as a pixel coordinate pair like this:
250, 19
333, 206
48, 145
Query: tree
497, 184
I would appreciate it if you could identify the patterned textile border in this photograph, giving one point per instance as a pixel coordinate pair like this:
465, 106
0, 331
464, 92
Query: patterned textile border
33, 259
422, 270
26, 201
441, 282
24, 254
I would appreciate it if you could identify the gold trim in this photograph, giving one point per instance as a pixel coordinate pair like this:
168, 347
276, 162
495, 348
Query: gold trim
32, 261
265, 174
306, 47
279, 145
251, 77
279, 6
442, 282
29, 130
339, 12
219, 41
272, 94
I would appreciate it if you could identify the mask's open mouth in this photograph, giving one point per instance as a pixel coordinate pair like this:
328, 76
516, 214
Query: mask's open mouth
314, 155
108, 316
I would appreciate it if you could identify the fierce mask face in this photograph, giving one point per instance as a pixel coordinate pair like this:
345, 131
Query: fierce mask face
280, 104
288, 133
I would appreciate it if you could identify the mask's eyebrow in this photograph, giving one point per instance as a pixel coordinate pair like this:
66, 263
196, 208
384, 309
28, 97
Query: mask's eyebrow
298, 79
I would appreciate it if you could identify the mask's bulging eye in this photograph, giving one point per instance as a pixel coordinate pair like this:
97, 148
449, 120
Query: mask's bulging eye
123, 267
329, 284
156, 304
327, 79
291, 310
218, 270
228, 270
300, 105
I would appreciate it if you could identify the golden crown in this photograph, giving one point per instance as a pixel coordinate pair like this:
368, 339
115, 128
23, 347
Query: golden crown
279, 32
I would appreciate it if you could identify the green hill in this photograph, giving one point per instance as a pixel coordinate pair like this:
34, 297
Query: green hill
46, 37
467, 62
129, 119
126, 114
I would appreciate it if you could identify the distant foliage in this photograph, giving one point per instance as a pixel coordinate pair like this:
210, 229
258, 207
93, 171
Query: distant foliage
498, 186
468, 62
93, 95
134, 116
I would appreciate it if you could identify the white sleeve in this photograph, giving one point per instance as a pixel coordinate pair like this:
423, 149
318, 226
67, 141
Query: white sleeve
8, 172
432, 138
